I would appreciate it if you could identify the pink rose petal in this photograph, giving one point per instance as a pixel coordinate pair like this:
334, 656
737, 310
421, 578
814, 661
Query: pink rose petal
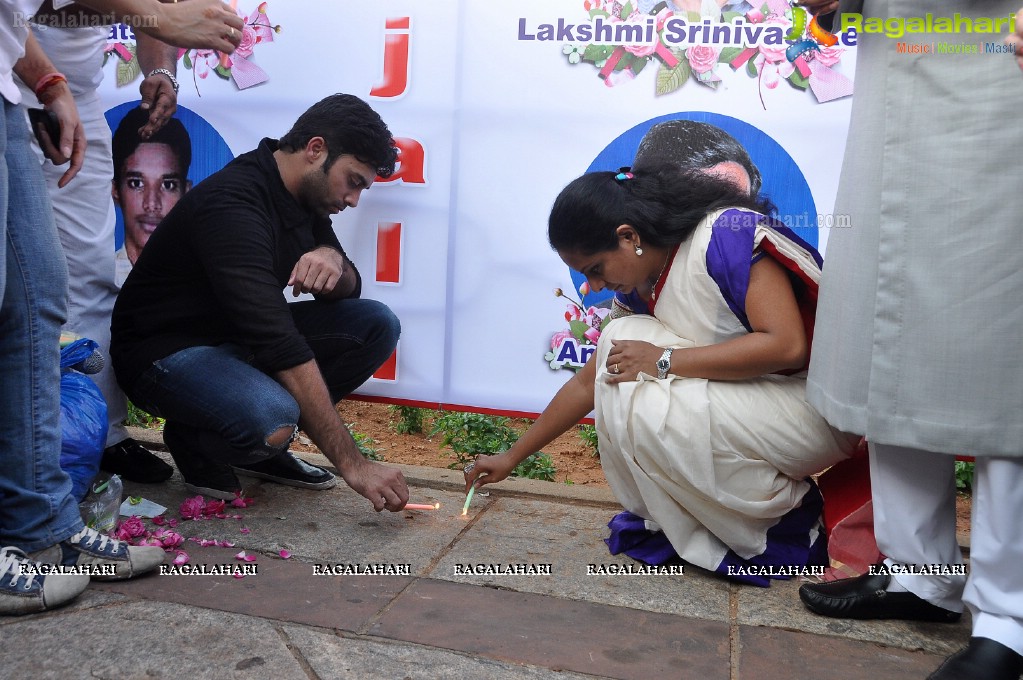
245, 557
182, 557
285, 555
245, 530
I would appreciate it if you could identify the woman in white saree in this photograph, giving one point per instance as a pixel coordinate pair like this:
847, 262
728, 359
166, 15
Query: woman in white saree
704, 432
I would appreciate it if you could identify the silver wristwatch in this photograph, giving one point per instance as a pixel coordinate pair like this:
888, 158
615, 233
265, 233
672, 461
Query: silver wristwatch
664, 364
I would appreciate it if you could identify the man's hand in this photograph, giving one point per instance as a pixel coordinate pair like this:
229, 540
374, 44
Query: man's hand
199, 24
317, 272
159, 98
383, 486
71, 145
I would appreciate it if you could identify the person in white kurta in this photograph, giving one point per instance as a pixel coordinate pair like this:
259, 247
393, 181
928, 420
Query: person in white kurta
84, 212
716, 450
918, 343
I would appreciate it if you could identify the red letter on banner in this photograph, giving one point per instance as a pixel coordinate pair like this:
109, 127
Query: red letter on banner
411, 167
389, 369
396, 61
389, 252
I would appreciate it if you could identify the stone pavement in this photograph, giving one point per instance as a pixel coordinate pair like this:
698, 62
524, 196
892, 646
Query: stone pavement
286, 622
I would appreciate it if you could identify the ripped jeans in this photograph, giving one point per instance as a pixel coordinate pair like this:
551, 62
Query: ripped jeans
220, 406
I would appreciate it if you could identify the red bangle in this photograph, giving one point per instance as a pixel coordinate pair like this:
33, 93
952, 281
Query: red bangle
49, 80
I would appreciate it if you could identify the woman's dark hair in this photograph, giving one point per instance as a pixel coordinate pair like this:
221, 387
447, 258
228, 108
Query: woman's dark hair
663, 204
349, 126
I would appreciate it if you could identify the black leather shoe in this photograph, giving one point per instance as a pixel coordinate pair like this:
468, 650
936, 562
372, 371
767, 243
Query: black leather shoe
865, 597
134, 462
985, 659
287, 469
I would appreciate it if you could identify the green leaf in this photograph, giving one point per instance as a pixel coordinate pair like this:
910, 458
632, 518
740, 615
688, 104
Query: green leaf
597, 53
127, 71
797, 81
730, 17
186, 61
224, 73
671, 79
624, 62
751, 68
638, 64
627, 10
594, 13
578, 328
728, 54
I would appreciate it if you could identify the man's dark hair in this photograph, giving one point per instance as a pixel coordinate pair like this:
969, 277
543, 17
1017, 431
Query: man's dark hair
349, 126
126, 139
691, 145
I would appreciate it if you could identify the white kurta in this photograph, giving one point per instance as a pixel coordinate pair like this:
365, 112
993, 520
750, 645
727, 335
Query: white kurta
714, 464
920, 321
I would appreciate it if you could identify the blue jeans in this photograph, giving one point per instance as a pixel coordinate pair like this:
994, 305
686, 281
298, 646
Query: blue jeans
37, 509
220, 406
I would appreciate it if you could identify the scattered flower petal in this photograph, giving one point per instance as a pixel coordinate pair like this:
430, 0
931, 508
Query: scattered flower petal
285, 554
245, 530
181, 558
192, 508
245, 557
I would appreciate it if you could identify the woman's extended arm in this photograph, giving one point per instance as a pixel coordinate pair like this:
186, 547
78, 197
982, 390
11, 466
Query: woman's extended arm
777, 342
570, 405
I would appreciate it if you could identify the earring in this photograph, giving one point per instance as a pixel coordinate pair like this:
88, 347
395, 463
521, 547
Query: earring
639, 251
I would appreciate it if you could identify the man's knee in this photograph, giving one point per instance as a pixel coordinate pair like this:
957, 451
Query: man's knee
281, 437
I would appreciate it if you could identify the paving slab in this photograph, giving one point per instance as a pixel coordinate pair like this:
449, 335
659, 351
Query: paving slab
773, 654
280, 590
145, 640
570, 538
341, 656
556, 633
780, 606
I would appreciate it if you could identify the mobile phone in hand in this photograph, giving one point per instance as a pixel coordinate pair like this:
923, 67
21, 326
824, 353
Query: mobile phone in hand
48, 119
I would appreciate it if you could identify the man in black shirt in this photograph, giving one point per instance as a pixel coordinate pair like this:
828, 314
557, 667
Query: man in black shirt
204, 337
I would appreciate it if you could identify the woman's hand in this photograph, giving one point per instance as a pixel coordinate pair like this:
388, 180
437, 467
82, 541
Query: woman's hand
488, 469
628, 358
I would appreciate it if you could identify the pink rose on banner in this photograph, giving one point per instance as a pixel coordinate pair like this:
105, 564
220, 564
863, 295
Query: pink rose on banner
248, 42
828, 56
559, 338
776, 53
702, 58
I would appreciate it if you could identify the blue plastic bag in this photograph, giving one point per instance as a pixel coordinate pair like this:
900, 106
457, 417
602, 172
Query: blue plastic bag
83, 419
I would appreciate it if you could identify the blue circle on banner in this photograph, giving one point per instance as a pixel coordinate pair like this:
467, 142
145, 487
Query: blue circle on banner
783, 183
210, 152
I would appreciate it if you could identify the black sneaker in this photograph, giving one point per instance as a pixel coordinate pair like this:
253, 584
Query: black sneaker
202, 475
134, 462
288, 469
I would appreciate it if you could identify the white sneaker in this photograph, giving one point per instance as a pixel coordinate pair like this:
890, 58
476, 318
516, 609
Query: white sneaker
23, 589
108, 558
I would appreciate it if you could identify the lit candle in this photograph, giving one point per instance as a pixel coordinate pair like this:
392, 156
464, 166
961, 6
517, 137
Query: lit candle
422, 506
468, 499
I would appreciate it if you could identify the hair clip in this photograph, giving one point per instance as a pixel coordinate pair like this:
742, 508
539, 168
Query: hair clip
622, 176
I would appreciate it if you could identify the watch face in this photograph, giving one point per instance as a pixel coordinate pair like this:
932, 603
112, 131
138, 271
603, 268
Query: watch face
663, 364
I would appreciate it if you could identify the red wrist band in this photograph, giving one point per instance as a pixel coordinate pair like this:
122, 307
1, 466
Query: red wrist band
49, 80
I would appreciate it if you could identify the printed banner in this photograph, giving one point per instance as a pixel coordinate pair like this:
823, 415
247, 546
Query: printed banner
495, 109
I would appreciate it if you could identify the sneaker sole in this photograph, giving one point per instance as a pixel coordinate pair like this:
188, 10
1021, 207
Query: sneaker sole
318, 486
211, 492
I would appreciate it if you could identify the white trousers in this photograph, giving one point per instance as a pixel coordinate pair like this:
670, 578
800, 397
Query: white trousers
84, 212
914, 522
